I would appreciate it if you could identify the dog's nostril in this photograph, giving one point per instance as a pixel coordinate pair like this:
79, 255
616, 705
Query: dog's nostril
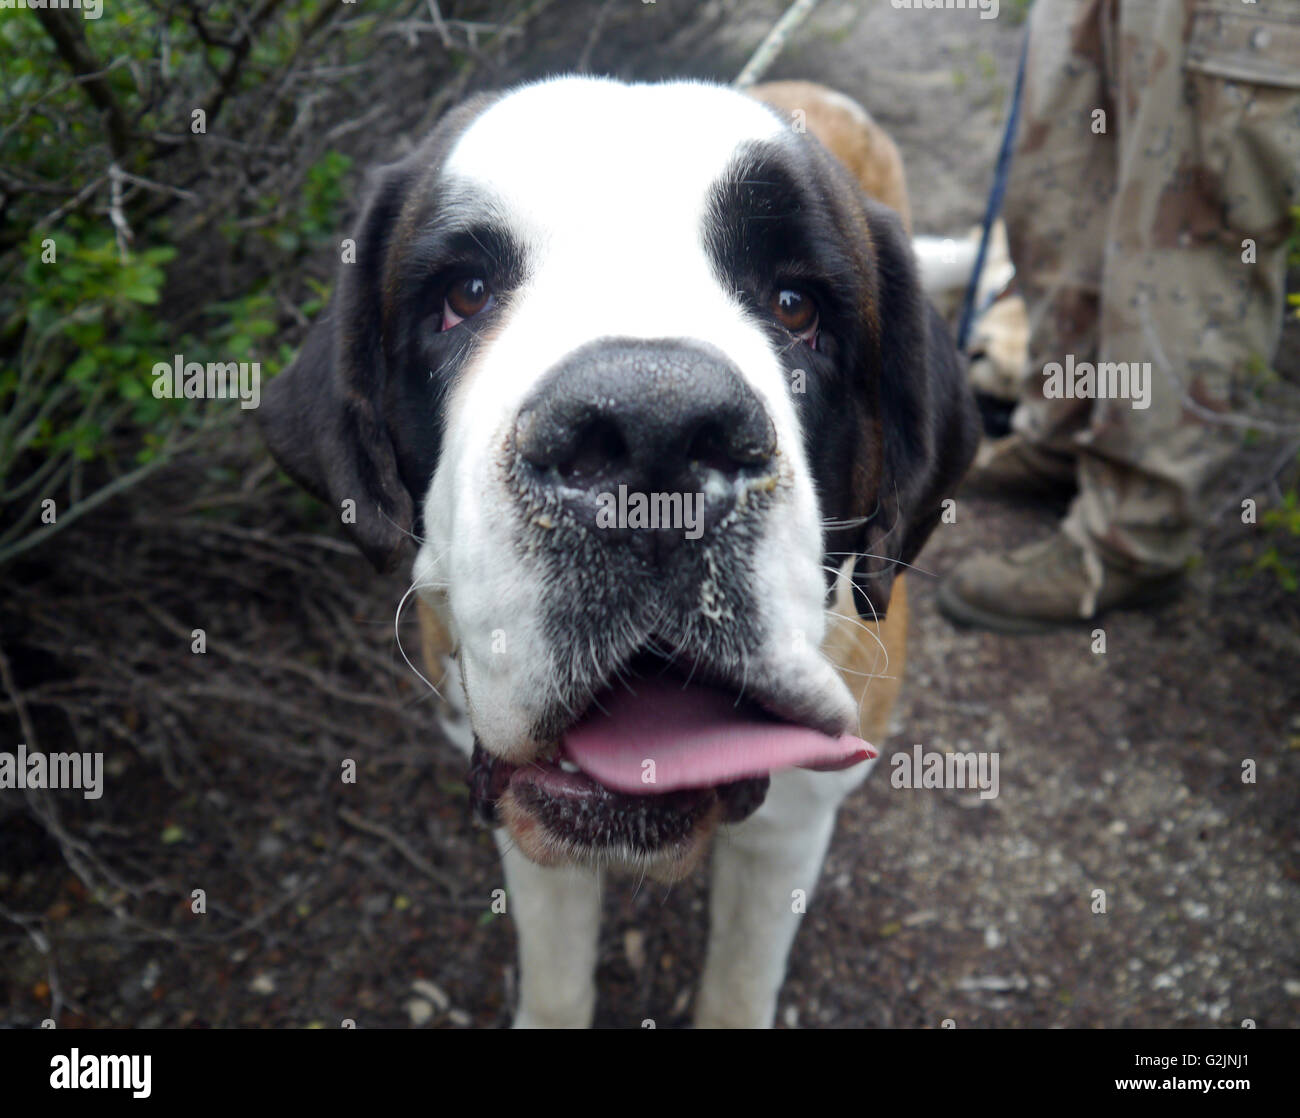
721, 447
600, 450
708, 448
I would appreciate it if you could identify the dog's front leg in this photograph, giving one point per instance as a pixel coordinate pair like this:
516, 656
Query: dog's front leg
764, 873
557, 919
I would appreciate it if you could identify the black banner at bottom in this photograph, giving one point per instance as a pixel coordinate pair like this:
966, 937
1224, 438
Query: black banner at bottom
362, 1067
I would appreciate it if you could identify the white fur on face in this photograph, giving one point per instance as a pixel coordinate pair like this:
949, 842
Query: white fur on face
606, 188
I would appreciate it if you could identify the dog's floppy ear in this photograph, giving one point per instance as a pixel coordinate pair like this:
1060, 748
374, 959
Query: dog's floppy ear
322, 418
928, 423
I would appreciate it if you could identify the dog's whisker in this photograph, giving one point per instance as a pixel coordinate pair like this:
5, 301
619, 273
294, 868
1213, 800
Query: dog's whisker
852, 522
884, 559
744, 679
875, 633
857, 621
897, 563
404, 531
397, 634
640, 881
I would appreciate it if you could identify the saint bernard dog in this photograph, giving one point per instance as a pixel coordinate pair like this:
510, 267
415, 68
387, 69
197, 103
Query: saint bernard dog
698, 297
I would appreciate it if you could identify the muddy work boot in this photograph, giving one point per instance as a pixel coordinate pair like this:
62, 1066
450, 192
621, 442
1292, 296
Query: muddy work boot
1013, 467
1045, 585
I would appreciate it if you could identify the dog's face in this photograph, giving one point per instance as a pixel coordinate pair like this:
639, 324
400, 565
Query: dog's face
641, 369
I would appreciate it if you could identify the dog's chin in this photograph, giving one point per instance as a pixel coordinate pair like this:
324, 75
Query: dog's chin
557, 816
644, 778
663, 846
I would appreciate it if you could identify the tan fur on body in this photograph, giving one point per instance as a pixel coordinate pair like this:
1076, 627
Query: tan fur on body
870, 656
847, 130
999, 347
435, 642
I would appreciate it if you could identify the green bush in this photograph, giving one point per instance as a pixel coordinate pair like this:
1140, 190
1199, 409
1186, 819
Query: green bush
115, 214
1284, 522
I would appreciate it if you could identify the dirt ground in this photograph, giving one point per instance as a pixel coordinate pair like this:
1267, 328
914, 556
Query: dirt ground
1119, 772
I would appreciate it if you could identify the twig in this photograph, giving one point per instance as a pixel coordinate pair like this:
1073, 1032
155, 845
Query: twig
121, 230
43, 945
435, 14
238, 53
352, 819
68, 35
583, 64
106, 492
162, 187
71, 204
20, 704
1279, 463
776, 39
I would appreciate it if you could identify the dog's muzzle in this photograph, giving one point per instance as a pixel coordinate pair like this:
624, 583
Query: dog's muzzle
646, 474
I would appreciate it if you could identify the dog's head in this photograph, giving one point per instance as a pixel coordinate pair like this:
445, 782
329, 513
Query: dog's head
642, 369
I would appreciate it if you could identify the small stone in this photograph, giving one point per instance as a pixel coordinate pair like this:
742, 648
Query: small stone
149, 979
993, 983
682, 1001
431, 993
634, 948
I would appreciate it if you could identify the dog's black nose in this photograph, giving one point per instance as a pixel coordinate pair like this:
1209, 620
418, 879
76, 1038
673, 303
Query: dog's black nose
628, 433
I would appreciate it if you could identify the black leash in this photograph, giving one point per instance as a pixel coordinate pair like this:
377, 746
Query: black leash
994, 206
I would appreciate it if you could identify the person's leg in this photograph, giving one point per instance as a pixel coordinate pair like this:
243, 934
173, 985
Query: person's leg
1058, 193
1208, 159
1195, 268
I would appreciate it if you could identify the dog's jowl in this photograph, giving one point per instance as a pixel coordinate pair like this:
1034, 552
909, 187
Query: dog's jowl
581, 297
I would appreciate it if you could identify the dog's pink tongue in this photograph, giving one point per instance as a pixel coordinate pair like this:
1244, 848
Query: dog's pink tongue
696, 737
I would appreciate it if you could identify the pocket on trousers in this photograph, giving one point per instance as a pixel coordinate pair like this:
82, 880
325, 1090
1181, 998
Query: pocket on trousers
1243, 70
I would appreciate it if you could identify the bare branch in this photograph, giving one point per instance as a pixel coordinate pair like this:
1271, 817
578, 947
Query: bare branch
65, 30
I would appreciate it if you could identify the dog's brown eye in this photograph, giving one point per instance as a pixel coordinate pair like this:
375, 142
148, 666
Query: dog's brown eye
795, 311
466, 297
